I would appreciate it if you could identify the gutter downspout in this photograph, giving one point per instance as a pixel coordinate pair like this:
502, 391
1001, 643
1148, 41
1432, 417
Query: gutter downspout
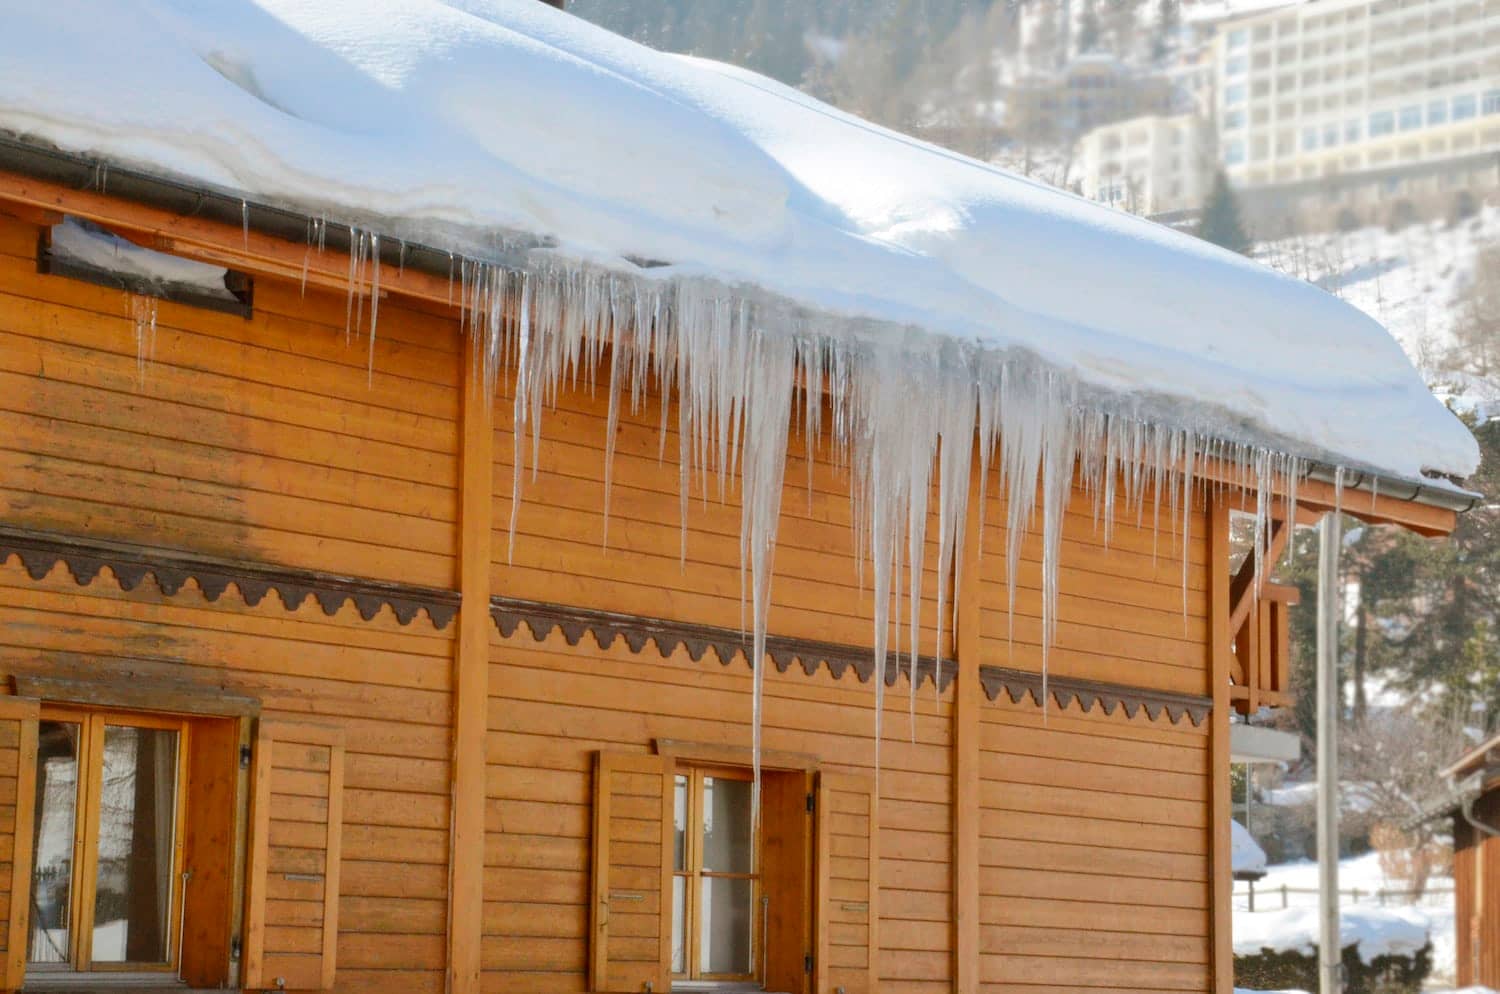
1330, 962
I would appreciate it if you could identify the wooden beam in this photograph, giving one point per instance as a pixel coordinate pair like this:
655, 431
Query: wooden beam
1221, 868
471, 684
1242, 592
968, 698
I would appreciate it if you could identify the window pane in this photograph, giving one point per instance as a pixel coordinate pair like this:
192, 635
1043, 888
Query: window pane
679, 823
137, 821
679, 924
726, 825
56, 823
726, 919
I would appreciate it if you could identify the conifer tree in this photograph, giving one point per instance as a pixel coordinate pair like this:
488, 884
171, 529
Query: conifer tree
1221, 223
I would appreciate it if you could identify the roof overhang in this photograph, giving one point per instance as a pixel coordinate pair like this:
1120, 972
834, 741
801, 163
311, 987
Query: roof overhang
195, 221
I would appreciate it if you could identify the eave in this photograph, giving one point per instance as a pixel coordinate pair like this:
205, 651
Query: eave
42, 184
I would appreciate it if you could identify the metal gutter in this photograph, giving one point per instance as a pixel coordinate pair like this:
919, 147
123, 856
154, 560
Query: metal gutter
1401, 489
195, 200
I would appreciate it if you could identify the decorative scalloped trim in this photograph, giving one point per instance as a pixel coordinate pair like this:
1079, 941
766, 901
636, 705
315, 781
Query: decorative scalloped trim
727, 644
1018, 684
40, 551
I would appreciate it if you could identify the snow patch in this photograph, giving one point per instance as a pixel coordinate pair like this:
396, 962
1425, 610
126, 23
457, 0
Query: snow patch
1375, 932
1246, 855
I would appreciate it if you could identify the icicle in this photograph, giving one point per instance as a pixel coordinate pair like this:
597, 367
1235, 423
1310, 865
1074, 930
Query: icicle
374, 306
245, 220
143, 315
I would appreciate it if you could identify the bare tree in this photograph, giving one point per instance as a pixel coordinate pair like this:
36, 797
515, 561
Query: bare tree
1391, 767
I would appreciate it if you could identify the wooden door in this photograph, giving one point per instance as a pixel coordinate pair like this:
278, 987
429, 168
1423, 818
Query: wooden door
848, 864
296, 819
631, 945
18, 738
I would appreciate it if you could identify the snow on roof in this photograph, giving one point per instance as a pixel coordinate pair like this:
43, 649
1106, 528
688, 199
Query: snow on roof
1245, 854
1376, 931
450, 122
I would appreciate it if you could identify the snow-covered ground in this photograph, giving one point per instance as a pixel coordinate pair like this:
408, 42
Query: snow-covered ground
1362, 873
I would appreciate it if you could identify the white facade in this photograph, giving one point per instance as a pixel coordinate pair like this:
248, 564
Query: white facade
1346, 86
1148, 165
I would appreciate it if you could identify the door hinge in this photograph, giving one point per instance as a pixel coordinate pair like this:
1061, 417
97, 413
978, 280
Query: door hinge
244, 757
811, 804
807, 963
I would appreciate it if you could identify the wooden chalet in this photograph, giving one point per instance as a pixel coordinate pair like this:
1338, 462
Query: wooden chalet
293, 707
1476, 863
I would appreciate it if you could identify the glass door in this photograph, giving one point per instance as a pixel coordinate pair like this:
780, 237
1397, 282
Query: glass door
716, 880
105, 885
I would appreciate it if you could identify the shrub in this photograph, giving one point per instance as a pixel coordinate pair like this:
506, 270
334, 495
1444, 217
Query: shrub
1269, 971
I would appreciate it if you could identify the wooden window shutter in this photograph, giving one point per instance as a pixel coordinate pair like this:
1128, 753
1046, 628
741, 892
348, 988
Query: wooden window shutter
848, 864
18, 744
296, 819
631, 949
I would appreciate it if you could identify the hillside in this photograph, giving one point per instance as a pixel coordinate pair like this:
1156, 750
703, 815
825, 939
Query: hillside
1416, 281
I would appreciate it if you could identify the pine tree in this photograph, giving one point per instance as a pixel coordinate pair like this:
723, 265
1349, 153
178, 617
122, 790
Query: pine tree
1088, 28
1221, 223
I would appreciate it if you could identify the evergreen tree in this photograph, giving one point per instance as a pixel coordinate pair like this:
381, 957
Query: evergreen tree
1088, 28
1221, 222
1168, 21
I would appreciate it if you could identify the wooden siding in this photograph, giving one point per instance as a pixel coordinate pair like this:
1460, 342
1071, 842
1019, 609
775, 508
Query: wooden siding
1476, 882
1093, 852
269, 439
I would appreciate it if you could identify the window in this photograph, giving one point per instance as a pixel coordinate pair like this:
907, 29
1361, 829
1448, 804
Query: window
106, 872
1234, 119
1309, 139
684, 891
1238, 38
715, 888
1235, 65
1464, 107
1382, 123
84, 251
1234, 94
1437, 112
1351, 131
1411, 117
1330, 135
1492, 101
1234, 153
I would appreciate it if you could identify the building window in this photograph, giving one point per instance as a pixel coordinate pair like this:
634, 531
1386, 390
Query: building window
1382, 123
714, 883
1492, 101
1235, 65
1411, 117
1464, 107
1309, 139
1437, 112
1351, 131
1238, 38
1234, 119
1234, 94
1234, 153
109, 820
1330, 135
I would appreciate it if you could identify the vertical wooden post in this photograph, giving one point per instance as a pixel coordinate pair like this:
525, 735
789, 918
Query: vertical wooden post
1221, 866
471, 682
967, 699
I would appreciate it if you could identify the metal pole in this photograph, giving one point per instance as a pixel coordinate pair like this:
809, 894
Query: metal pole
1330, 974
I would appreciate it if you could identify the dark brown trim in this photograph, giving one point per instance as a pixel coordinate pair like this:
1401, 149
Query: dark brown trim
154, 695
727, 643
40, 551
1018, 684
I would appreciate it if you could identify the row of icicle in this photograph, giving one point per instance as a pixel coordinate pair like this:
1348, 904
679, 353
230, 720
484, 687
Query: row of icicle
893, 405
